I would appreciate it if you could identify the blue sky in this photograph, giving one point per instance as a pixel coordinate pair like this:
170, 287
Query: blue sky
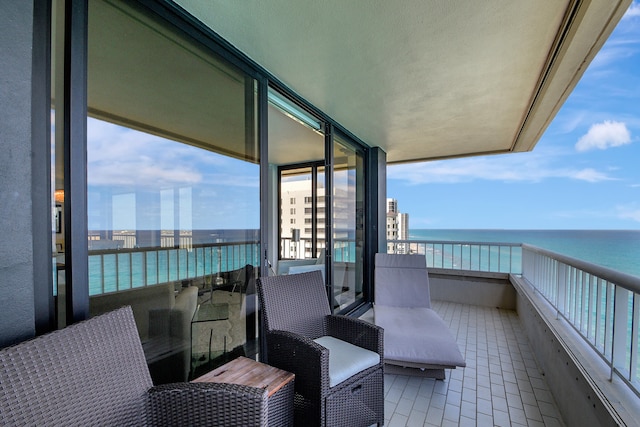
135, 178
584, 173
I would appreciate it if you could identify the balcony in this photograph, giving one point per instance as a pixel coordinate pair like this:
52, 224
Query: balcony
548, 339
502, 384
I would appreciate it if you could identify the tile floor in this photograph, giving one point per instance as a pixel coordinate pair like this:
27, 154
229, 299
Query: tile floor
501, 385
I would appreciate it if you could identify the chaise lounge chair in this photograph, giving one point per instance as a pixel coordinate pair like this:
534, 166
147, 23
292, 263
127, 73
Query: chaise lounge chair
415, 335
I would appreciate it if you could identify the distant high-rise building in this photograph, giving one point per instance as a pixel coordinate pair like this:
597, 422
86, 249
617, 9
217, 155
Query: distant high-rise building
397, 228
296, 219
392, 206
403, 226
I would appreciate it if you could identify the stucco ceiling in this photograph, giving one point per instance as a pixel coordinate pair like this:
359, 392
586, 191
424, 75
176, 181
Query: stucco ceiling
423, 79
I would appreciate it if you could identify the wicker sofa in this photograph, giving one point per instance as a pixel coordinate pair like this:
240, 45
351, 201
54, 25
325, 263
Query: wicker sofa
94, 373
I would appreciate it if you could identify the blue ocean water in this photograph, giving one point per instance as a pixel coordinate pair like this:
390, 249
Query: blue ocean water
127, 270
615, 249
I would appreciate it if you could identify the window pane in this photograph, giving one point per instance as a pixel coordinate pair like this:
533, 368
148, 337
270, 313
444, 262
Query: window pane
173, 191
348, 223
295, 184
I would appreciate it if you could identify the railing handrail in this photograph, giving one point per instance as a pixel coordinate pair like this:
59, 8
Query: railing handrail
148, 266
600, 304
455, 242
495, 257
168, 248
627, 281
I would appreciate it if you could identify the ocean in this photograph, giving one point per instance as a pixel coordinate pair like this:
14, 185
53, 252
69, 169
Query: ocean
615, 249
126, 269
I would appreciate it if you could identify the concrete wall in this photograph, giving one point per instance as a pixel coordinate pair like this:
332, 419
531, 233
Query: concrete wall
576, 376
16, 247
474, 288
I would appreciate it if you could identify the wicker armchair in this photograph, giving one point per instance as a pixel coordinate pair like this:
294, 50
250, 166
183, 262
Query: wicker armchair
94, 373
296, 317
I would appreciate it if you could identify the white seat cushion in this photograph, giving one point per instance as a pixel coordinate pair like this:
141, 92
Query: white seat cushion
417, 335
346, 360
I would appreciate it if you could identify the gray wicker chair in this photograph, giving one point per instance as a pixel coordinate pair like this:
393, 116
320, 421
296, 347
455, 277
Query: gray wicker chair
94, 373
295, 312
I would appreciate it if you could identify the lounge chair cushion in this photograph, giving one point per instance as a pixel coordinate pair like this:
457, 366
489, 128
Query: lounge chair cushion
402, 281
345, 359
417, 335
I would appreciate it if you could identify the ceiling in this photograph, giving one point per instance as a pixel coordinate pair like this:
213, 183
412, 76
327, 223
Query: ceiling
423, 79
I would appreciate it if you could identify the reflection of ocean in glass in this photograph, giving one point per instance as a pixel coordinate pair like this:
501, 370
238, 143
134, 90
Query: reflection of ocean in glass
111, 271
344, 251
615, 249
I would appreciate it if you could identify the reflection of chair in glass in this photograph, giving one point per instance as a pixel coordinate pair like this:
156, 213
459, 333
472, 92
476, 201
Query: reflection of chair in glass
163, 321
203, 326
415, 335
337, 360
237, 280
226, 318
169, 332
243, 281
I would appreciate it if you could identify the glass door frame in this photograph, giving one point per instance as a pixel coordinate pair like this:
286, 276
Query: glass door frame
362, 150
314, 166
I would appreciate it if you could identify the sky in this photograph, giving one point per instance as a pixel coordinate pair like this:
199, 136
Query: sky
584, 173
136, 180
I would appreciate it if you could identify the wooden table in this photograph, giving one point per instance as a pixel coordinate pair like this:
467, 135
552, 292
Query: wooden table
279, 384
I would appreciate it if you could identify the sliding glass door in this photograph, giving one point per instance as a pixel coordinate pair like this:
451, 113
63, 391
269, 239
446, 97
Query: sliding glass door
348, 223
173, 190
319, 180
297, 183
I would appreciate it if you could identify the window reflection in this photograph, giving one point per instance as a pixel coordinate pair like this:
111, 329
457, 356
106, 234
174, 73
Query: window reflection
172, 191
348, 223
302, 218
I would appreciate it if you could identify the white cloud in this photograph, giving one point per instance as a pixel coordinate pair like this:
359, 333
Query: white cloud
521, 167
141, 173
604, 135
589, 175
612, 53
571, 121
633, 11
237, 180
123, 157
631, 212
118, 156
624, 212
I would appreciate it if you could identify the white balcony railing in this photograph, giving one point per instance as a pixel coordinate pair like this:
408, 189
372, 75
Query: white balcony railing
601, 304
471, 256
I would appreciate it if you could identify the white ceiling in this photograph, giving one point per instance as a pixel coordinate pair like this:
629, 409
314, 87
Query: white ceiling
423, 79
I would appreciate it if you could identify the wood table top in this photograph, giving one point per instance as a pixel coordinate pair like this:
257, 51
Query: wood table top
245, 371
